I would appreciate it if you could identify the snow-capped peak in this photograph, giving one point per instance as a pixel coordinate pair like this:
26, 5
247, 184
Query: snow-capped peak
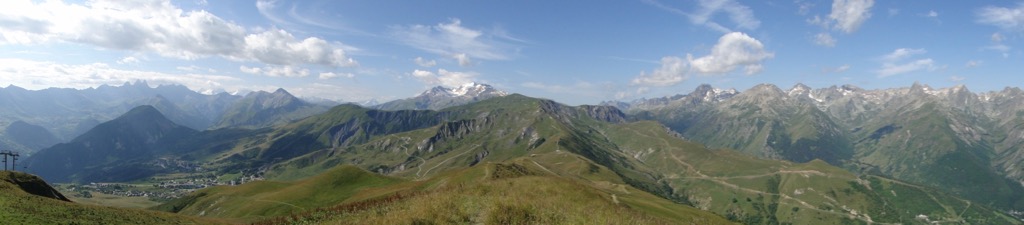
799, 89
471, 89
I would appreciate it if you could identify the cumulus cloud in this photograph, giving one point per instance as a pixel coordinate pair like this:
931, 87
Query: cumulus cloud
894, 63
452, 39
162, 28
824, 39
739, 14
672, 71
424, 63
848, 15
128, 60
733, 50
276, 71
42, 74
1009, 19
444, 77
332, 75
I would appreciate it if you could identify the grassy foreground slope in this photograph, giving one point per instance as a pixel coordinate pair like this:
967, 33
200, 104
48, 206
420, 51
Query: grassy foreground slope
492, 193
27, 199
262, 199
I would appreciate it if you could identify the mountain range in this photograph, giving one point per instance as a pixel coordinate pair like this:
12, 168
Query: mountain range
517, 144
953, 139
64, 113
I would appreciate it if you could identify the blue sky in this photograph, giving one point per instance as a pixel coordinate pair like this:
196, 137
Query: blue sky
576, 52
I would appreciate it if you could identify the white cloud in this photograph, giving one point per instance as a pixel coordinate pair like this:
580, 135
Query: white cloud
824, 39
332, 75
732, 50
162, 28
444, 77
450, 39
894, 69
973, 63
803, 7
739, 14
187, 68
894, 63
842, 68
672, 71
463, 59
932, 15
128, 60
276, 71
997, 37
40, 74
956, 78
424, 63
850, 14
902, 53
1009, 19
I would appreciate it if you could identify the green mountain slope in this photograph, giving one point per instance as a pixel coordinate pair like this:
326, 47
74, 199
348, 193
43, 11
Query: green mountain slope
273, 198
27, 199
763, 121
486, 193
763, 191
572, 142
950, 139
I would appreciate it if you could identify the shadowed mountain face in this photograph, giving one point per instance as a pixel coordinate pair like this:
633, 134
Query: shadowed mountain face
950, 138
112, 151
28, 135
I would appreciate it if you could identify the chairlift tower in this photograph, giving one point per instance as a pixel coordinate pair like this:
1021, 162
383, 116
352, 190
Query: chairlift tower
14, 159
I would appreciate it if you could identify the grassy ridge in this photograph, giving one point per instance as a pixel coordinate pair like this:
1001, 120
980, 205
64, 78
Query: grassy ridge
272, 198
22, 207
506, 193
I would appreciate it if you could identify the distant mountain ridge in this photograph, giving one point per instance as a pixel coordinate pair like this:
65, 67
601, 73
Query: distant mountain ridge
66, 113
263, 109
950, 138
443, 97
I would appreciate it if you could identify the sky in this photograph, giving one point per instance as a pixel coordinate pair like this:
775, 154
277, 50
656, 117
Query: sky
575, 52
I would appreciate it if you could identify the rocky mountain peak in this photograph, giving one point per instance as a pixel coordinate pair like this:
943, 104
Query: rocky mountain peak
707, 93
799, 89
